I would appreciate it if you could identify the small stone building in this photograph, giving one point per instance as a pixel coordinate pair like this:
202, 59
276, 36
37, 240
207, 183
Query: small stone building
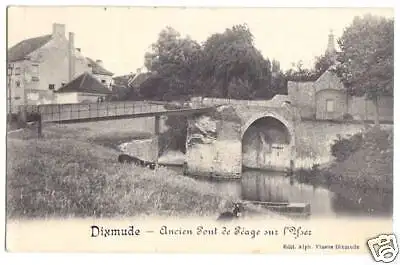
326, 99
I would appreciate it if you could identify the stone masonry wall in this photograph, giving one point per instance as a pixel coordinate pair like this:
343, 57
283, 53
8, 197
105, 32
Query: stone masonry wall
214, 146
314, 139
302, 96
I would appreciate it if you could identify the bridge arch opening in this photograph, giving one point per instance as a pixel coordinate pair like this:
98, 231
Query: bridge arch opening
266, 144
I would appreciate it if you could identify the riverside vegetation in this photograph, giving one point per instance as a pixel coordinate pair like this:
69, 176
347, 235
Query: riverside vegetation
362, 172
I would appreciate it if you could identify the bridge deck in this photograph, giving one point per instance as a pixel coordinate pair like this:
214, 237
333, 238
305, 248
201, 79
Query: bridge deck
183, 112
71, 113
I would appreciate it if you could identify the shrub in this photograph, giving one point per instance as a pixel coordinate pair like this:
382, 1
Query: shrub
348, 117
175, 137
343, 147
12, 117
32, 116
310, 176
14, 121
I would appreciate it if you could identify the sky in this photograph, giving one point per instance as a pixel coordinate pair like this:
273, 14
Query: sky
120, 36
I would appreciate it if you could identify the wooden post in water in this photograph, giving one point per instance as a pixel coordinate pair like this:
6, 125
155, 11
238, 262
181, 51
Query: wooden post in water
291, 172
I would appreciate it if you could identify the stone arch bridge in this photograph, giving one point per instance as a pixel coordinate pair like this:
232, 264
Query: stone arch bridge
223, 135
241, 134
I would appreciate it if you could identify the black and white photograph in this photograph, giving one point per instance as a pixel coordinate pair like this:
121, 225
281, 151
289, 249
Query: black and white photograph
124, 122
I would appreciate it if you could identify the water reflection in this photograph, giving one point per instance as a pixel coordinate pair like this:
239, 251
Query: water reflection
276, 187
268, 186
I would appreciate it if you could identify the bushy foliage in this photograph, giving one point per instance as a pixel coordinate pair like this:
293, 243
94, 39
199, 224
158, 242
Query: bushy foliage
348, 117
301, 74
342, 148
175, 137
226, 65
366, 60
364, 178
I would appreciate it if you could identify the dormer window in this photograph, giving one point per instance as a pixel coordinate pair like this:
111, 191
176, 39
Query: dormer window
51, 86
89, 65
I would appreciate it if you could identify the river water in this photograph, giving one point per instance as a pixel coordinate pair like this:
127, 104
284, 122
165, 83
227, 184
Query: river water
270, 186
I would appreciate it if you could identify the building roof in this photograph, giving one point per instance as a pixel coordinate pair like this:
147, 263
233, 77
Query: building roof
22, 49
97, 68
328, 80
140, 79
122, 80
85, 83
131, 80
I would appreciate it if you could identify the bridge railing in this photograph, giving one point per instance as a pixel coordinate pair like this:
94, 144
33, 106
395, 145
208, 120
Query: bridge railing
80, 111
64, 112
276, 101
259, 103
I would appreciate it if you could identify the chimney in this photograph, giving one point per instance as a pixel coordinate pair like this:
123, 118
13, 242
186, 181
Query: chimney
58, 30
99, 62
71, 57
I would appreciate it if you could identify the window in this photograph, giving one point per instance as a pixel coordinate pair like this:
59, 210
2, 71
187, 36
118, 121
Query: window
17, 70
329, 105
62, 84
35, 78
51, 86
35, 69
89, 65
18, 83
103, 81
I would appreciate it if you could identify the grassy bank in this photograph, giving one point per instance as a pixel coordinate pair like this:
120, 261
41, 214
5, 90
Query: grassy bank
68, 173
365, 176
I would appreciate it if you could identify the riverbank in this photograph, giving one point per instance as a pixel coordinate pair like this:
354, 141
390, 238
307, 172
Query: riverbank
67, 173
364, 178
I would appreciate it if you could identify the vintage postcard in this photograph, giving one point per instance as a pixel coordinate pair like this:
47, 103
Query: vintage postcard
200, 130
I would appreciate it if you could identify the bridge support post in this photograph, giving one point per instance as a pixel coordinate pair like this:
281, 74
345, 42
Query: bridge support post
157, 125
157, 134
39, 126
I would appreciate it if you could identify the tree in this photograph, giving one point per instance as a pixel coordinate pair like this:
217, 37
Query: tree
231, 66
226, 65
173, 60
300, 74
278, 80
322, 63
366, 58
